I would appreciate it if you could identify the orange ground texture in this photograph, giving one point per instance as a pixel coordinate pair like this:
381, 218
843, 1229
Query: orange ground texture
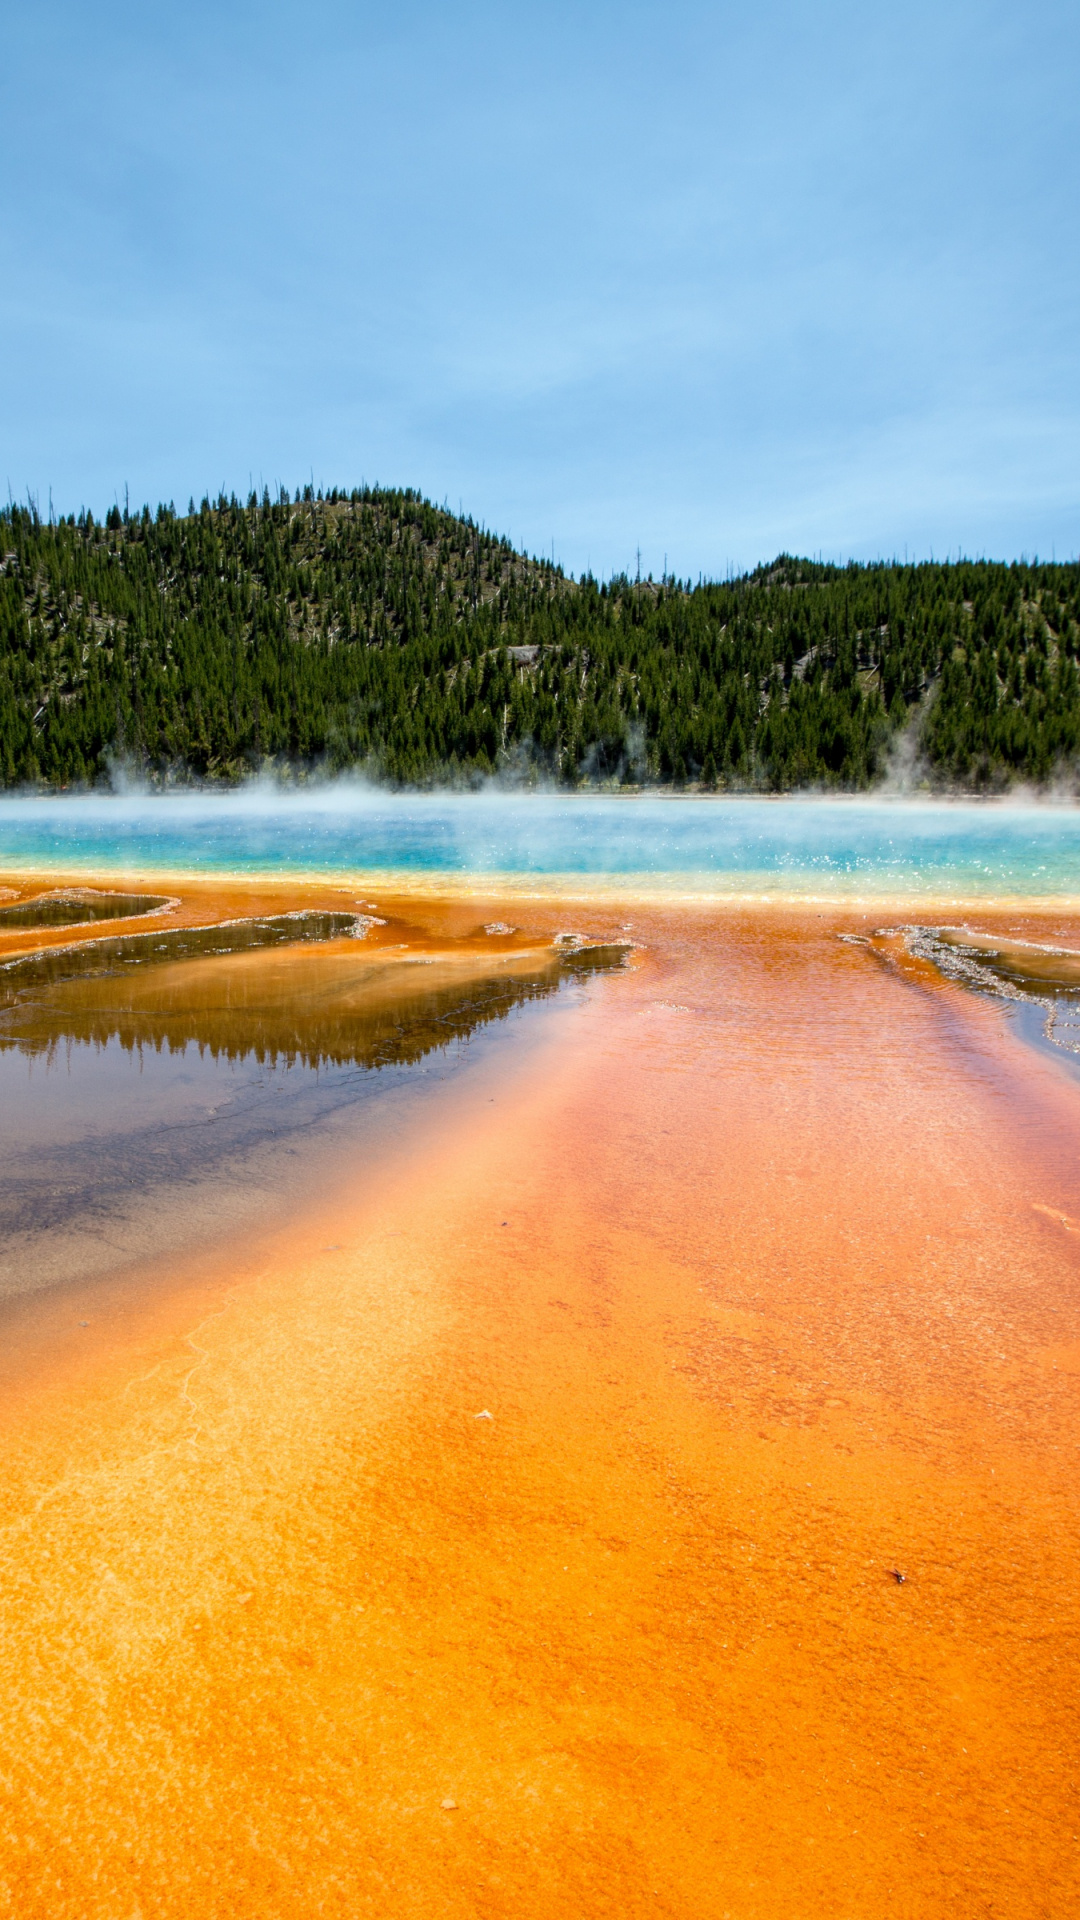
764, 1267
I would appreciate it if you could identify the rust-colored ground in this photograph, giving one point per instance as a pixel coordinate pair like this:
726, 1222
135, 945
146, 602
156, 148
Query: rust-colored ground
766, 1272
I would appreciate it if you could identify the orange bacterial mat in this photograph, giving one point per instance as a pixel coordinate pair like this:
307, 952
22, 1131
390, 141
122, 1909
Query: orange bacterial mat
649, 1488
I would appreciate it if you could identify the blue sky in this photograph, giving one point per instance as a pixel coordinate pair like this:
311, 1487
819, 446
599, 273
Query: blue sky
707, 281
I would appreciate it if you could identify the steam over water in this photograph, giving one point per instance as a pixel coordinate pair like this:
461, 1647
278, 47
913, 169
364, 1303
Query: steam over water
723, 846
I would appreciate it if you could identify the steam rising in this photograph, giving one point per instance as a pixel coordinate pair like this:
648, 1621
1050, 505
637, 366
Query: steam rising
729, 845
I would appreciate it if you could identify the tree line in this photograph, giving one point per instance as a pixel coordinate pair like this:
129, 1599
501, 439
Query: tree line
374, 630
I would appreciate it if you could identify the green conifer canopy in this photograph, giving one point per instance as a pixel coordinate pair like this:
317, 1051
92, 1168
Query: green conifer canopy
373, 630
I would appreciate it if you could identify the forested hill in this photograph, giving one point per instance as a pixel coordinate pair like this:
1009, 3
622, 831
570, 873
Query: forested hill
374, 630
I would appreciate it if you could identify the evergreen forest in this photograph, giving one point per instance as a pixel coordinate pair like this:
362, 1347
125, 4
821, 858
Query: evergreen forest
371, 630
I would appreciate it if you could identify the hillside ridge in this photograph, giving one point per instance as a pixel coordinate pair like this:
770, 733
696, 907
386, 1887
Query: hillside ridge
372, 630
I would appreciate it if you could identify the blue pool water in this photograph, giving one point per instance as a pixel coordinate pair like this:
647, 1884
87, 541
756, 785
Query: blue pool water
718, 845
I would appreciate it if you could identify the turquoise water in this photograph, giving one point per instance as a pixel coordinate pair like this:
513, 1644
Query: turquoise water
732, 846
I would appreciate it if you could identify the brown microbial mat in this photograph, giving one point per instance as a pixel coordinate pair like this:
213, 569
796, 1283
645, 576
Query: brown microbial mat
29, 972
69, 908
625, 1467
192, 986
153, 1080
1039, 981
